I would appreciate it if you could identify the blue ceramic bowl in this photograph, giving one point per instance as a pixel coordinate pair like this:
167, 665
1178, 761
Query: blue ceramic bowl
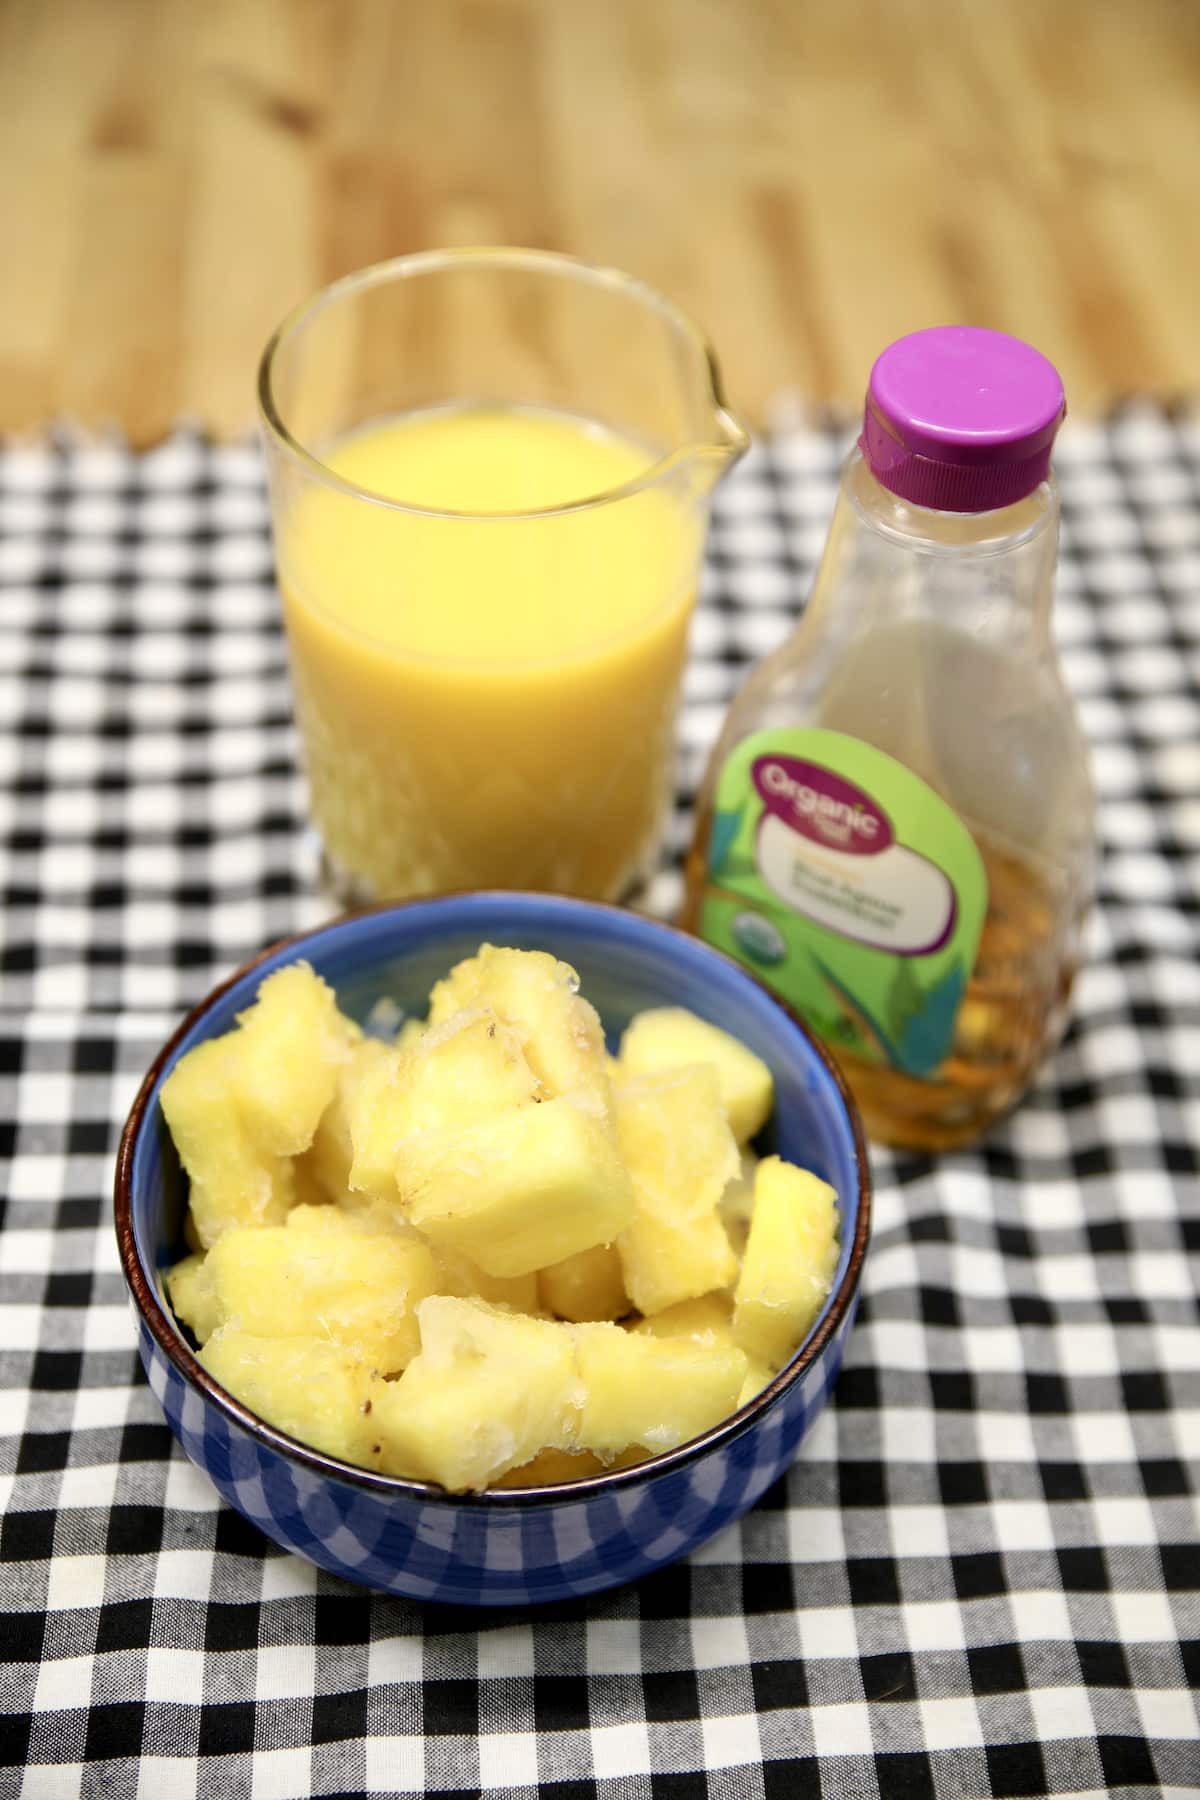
511, 1546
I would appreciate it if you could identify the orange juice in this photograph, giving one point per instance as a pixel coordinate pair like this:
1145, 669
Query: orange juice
486, 667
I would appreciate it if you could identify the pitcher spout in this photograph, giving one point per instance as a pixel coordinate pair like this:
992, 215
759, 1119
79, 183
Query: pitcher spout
727, 440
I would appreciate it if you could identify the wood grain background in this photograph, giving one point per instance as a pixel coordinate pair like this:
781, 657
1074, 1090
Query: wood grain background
809, 177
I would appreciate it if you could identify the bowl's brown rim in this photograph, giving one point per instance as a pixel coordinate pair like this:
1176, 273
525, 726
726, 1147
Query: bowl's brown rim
178, 1352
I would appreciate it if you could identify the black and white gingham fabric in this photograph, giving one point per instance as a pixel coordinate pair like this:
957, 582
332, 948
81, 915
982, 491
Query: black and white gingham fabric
981, 1577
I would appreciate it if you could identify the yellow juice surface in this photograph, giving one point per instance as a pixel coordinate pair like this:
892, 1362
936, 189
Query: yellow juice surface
489, 699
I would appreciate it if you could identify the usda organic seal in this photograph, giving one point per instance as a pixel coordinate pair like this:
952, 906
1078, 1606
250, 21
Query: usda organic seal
759, 938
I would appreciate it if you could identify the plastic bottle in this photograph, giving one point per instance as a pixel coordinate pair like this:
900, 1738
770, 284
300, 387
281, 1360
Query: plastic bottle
895, 831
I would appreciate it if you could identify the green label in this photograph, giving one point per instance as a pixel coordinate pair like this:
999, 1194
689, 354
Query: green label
849, 887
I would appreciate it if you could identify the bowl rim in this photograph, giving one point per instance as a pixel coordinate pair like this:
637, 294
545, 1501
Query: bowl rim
153, 1315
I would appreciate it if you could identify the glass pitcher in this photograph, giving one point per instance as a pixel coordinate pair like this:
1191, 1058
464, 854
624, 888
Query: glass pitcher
490, 478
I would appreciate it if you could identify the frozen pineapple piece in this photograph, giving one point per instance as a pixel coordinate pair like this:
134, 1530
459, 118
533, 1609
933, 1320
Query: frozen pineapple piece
670, 1037
550, 1466
383, 1217
374, 1098
326, 1163
410, 1034
654, 1391
320, 1275
666, 1260
240, 1106
484, 1159
190, 1291
487, 1393
737, 1202
463, 1279
520, 1190
790, 1257
707, 1320
232, 1181
680, 1154
367, 1218
458, 991
407, 1104
588, 1285
316, 1391
757, 1377
368, 1275
469, 1068
290, 1046
317, 1218
539, 997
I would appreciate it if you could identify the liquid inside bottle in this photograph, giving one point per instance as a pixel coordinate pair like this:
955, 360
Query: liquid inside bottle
895, 831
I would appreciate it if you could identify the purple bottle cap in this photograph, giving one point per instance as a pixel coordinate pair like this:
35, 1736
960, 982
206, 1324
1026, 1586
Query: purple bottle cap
961, 419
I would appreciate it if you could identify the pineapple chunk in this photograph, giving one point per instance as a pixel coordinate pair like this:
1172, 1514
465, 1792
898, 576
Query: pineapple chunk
665, 1261
670, 1037
319, 1275
737, 1202
316, 1218
193, 1301
757, 1377
459, 1277
469, 1068
326, 1163
383, 1218
291, 1044
415, 1103
706, 1320
373, 1097
318, 1392
232, 1181
790, 1257
487, 1393
520, 1190
367, 1218
458, 991
410, 1034
552, 1466
680, 1154
539, 997
240, 1106
461, 1131
588, 1285
654, 1391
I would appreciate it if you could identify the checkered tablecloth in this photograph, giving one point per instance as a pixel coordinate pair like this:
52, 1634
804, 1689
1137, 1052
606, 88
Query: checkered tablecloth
981, 1576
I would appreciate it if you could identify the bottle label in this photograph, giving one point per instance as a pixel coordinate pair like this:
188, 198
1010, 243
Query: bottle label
849, 887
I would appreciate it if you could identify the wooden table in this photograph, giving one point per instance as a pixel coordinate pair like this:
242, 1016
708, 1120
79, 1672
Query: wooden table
810, 177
